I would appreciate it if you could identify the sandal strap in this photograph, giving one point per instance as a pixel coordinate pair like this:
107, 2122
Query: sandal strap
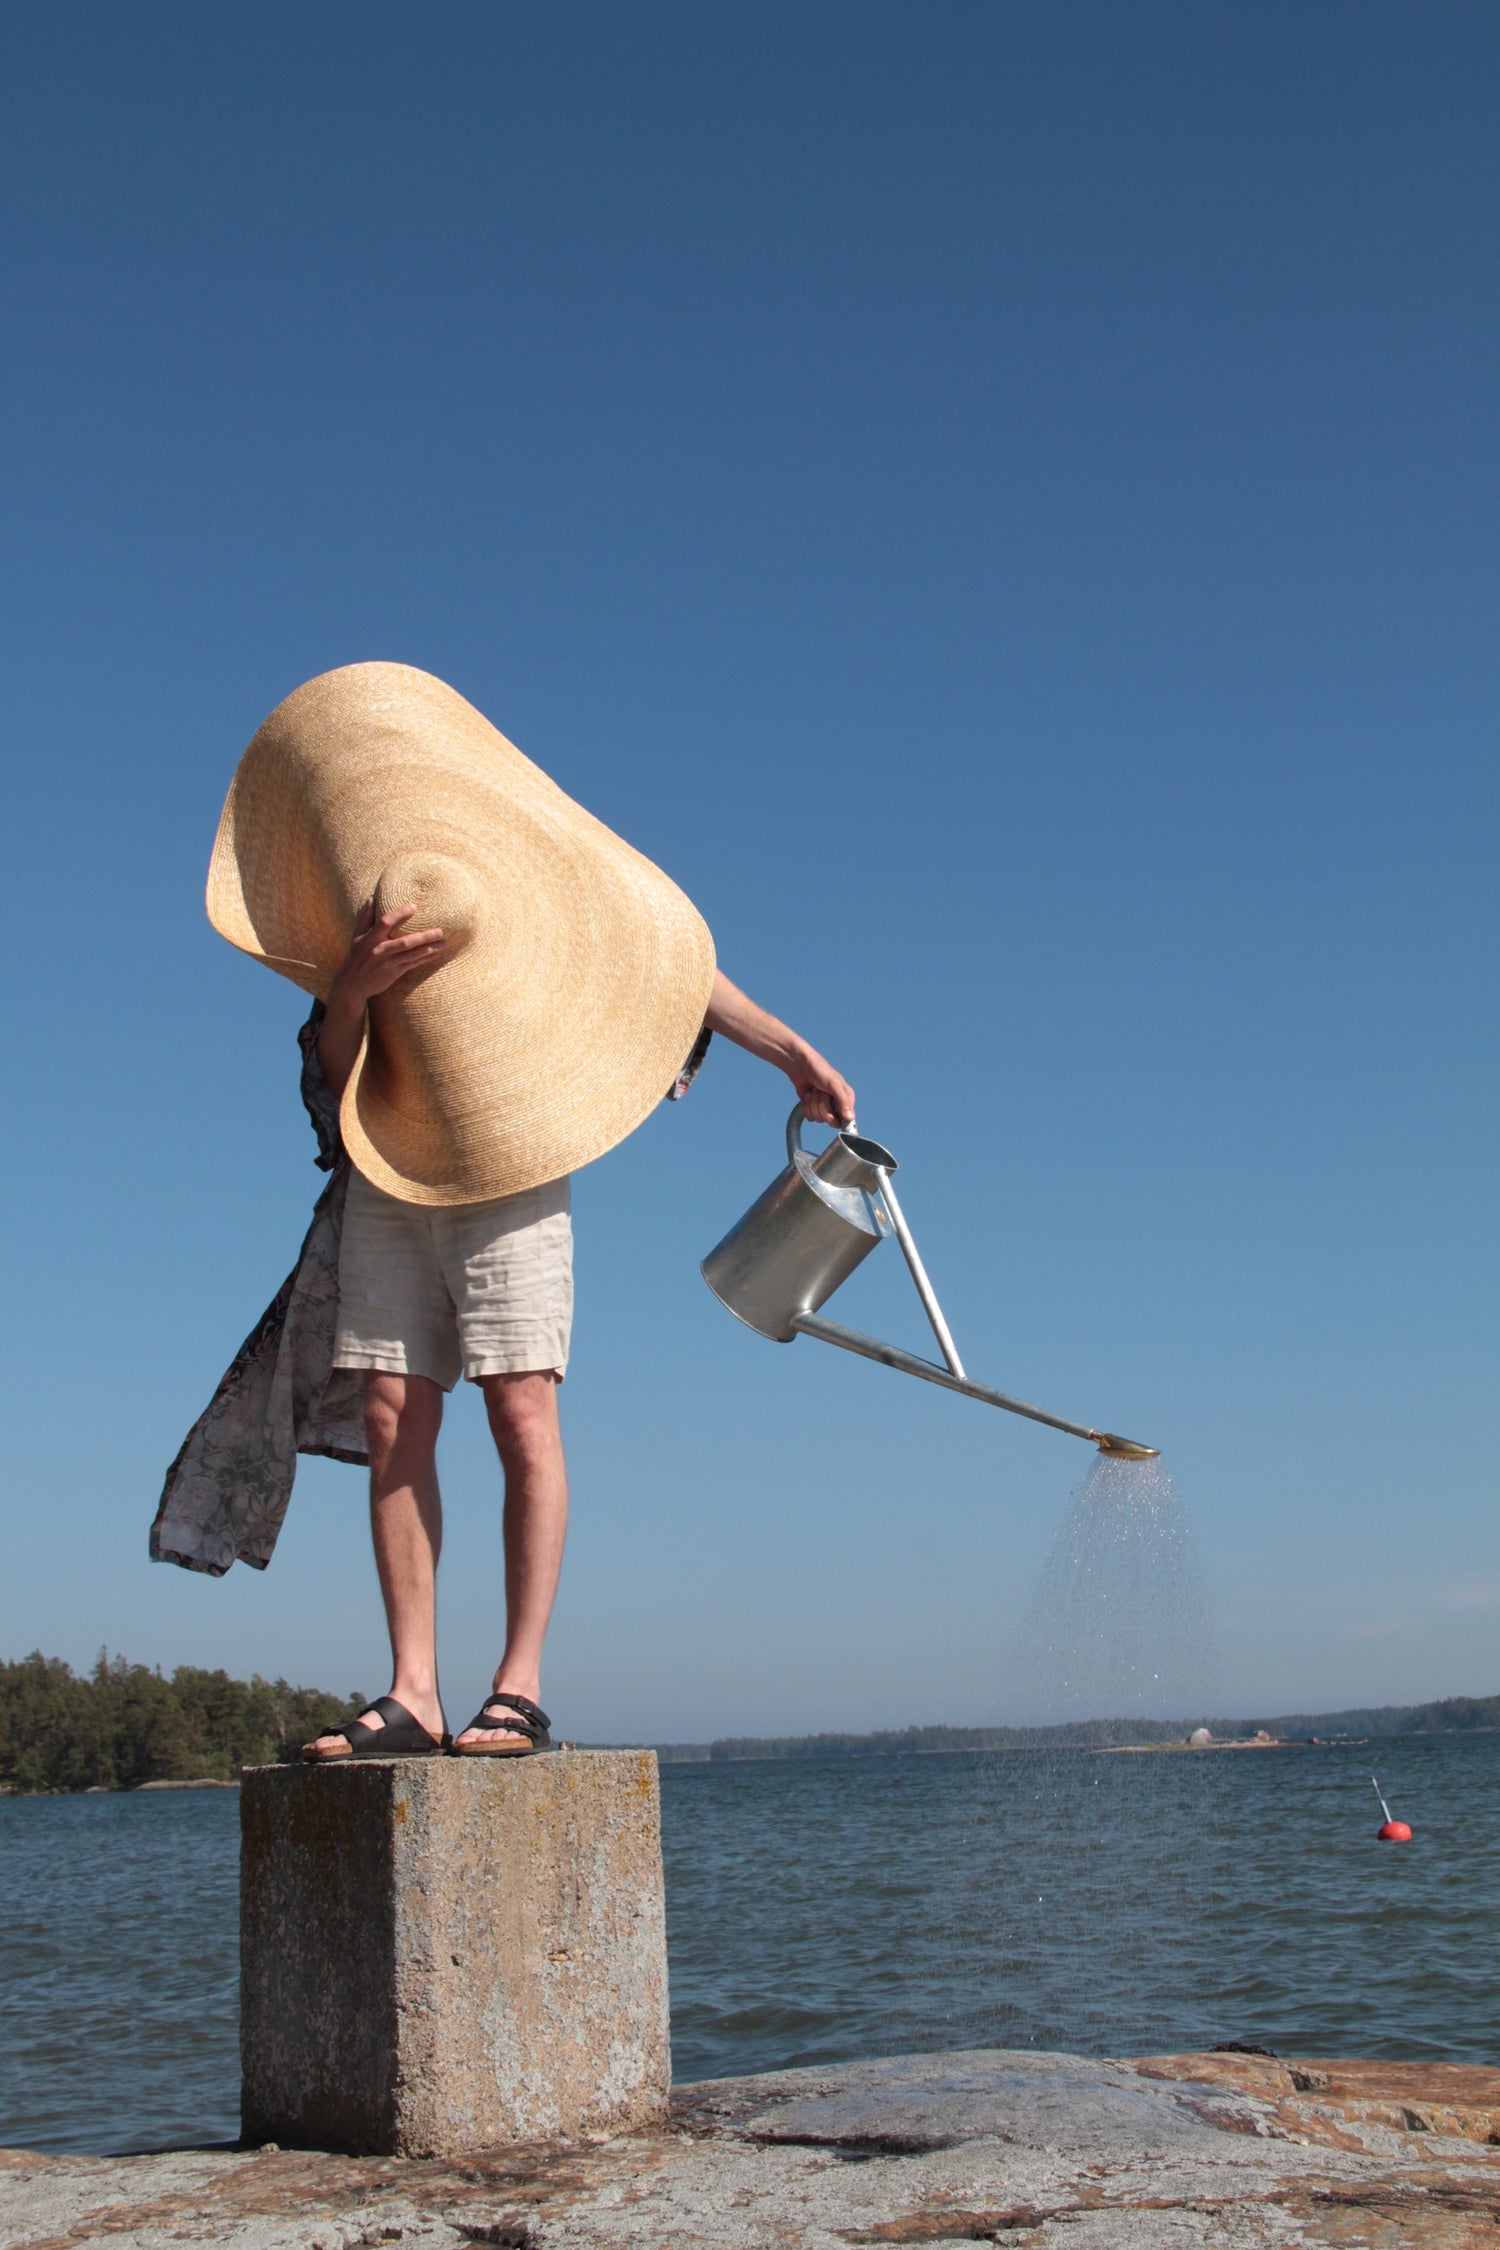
394, 1714
351, 1731
400, 1725
521, 1716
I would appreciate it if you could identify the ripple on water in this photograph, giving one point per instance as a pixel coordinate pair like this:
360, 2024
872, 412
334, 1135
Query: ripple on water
827, 1909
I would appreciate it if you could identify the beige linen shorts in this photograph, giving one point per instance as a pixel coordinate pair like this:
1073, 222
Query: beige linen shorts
466, 1288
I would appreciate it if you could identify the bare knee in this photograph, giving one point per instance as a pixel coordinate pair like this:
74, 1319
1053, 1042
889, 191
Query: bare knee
401, 1411
523, 1414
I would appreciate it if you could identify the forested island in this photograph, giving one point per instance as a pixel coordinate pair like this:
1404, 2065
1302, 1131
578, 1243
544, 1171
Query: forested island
123, 1725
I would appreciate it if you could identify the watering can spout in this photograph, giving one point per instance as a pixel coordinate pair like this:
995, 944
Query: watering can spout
1124, 1448
817, 1222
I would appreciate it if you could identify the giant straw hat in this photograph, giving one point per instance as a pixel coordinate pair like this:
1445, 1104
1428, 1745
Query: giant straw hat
576, 977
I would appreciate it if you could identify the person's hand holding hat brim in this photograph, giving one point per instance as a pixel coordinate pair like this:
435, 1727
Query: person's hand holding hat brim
380, 953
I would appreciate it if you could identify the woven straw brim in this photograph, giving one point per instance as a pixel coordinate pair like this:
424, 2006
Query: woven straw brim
577, 976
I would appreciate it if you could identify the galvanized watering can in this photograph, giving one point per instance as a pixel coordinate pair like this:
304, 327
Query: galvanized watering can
815, 1223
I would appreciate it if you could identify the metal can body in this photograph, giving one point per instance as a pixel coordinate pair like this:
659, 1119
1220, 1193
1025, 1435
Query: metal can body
802, 1238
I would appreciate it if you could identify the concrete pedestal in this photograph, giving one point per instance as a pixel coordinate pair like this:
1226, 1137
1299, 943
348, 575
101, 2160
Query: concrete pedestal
442, 1954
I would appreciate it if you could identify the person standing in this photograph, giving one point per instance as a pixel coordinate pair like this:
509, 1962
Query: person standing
487, 1286
520, 990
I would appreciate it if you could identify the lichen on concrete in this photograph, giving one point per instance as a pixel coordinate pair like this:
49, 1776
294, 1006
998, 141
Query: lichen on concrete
442, 1954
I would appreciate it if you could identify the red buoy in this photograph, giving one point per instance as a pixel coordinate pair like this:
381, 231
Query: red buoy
1393, 1831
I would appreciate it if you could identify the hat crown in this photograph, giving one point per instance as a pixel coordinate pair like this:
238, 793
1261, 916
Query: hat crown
440, 893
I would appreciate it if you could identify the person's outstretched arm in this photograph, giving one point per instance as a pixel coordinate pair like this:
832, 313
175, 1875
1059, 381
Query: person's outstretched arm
827, 1098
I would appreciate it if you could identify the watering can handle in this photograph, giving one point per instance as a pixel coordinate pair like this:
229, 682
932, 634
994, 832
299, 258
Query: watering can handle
794, 1125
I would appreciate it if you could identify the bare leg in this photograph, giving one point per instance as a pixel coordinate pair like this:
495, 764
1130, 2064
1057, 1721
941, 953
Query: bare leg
524, 1424
403, 1414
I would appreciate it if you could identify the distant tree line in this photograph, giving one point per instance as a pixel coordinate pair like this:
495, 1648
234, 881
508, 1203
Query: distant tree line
123, 1723
1454, 1714
1090, 1734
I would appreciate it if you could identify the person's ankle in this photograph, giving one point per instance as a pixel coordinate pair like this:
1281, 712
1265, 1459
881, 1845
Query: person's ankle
417, 1696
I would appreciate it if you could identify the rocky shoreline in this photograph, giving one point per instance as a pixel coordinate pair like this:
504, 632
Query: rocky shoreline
1232, 2151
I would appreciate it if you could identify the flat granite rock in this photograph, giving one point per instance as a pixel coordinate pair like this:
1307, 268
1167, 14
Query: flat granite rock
1233, 2152
1064, 2103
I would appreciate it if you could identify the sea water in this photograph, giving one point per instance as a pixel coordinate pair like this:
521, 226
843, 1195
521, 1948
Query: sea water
1118, 1626
829, 1908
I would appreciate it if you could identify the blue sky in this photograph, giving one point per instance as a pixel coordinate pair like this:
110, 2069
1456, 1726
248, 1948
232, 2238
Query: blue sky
1000, 502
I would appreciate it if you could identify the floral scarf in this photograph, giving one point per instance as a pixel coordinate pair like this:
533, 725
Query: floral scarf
226, 1493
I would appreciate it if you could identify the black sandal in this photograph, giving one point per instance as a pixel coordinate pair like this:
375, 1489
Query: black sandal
522, 1716
402, 1736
